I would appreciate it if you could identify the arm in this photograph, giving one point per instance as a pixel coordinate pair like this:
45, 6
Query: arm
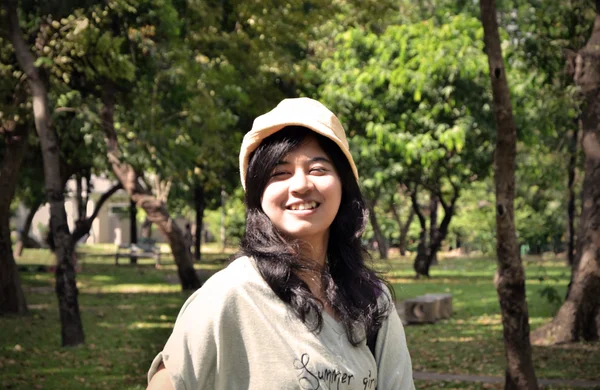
187, 359
160, 380
394, 366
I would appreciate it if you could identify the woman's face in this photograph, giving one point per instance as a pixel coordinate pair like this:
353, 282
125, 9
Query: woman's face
303, 194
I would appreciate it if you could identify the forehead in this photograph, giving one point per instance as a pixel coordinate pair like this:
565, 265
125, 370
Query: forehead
309, 147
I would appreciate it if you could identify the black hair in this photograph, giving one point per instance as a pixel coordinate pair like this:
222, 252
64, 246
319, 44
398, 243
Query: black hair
351, 288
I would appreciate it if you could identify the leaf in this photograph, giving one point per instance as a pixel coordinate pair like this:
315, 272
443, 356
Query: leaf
43, 61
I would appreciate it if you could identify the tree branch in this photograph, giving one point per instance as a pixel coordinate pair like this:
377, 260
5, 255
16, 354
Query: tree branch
25, 58
103, 199
416, 207
83, 226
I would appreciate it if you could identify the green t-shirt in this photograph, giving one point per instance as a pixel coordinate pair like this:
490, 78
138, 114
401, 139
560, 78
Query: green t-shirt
235, 333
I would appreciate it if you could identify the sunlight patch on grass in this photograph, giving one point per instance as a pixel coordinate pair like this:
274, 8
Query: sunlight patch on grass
555, 283
495, 319
39, 306
102, 278
126, 288
109, 325
453, 339
437, 280
150, 325
126, 307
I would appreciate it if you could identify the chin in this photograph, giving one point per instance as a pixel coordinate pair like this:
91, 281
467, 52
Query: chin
305, 234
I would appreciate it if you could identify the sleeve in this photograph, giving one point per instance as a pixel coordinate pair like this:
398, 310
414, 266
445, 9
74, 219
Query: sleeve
190, 354
394, 367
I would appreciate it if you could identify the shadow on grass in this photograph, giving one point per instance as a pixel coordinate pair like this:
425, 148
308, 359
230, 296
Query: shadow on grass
123, 334
128, 312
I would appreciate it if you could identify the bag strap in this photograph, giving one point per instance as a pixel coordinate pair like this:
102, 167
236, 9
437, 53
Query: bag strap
371, 341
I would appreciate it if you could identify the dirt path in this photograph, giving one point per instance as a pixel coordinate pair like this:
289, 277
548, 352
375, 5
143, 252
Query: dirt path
430, 376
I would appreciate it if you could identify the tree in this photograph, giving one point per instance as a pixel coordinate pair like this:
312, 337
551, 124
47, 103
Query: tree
422, 112
154, 206
88, 52
14, 142
548, 35
66, 287
579, 316
510, 276
403, 226
30, 187
15, 127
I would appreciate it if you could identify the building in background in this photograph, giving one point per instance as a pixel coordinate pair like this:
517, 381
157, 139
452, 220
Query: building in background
111, 226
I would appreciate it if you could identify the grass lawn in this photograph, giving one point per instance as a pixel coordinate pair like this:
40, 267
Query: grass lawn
128, 312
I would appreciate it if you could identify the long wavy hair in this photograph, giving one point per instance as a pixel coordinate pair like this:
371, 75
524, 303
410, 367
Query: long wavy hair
351, 288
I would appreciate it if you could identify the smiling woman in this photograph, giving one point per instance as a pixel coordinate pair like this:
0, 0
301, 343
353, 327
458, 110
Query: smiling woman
298, 308
304, 190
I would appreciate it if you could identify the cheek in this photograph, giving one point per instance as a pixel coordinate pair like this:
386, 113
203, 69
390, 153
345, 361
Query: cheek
335, 191
271, 198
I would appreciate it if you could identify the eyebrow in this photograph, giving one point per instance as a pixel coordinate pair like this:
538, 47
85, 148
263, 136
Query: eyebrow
312, 160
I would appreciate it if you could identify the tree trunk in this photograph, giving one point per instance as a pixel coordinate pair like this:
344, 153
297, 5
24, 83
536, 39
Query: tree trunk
199, 203
404, 231
156, 209
79, 197
133, 222
146, 230
572, 169
12, 299
433, 229
403, 227
85, 200
379, 238
24, 240
441, 232
420, 264
510, 277
66, 287
132, 228
223, 217
579, 316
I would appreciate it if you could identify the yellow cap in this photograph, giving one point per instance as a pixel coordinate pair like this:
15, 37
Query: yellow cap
303, 112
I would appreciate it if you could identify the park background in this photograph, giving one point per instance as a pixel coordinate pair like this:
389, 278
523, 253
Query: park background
131, 112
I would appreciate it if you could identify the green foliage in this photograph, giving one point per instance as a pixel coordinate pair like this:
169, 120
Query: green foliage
82, 46
475, 220
235, 219
418, 93
415, 102
552, 296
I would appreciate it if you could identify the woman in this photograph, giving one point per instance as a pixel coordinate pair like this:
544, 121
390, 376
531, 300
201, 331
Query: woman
299, 309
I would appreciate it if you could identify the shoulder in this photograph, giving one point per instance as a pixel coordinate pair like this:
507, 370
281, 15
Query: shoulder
240, 275
239, 279
386, 298
240, 271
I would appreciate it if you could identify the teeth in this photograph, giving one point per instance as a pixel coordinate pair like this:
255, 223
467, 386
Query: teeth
304, 206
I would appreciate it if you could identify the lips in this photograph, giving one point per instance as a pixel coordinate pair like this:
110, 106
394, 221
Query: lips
299, 206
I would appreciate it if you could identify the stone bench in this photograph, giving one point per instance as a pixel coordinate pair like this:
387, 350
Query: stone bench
428, 308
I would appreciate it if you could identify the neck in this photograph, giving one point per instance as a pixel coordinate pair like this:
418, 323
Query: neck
315, 249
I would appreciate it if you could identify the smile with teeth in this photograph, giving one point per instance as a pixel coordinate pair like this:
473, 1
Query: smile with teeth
304, 206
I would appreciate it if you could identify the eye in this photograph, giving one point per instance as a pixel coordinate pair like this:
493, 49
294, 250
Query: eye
318, 170
278, 173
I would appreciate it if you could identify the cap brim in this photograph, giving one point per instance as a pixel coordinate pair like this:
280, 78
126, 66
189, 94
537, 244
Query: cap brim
253, 139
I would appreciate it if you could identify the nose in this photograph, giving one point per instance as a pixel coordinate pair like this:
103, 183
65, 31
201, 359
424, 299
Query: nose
300, 182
